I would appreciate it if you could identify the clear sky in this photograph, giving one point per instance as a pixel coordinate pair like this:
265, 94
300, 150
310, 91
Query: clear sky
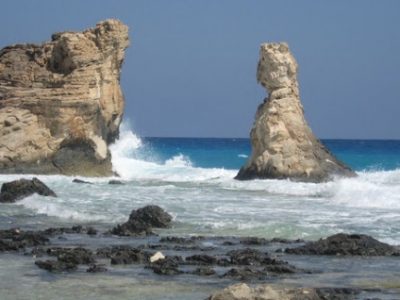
190, 70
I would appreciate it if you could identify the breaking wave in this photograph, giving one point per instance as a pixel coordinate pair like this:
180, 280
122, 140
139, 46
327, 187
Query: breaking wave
210, 201
133, 160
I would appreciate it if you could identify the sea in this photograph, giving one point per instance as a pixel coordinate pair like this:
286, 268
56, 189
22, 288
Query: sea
192, 179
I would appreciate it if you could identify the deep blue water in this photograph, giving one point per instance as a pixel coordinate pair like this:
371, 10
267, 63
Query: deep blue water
231, 153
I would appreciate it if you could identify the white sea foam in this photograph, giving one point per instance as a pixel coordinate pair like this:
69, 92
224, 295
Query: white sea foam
128, 162
369, 189
47, 206
127, 144
210, 199
243, 155
179, 160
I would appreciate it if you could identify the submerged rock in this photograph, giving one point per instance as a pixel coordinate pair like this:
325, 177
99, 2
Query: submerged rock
16, 239
76, 180
61, 102
253, 241
346, 244
79, 229
166, 266
116, 182
181, 240
76, 256
143, 220
68, 259
96, 268
124, 255
283, 145
248, 257
21, 188
128, 257
246, 274
56, 265
242, 291
204, 271
201, 259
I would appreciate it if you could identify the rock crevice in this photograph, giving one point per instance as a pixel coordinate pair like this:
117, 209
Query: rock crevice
61, 103
283, 145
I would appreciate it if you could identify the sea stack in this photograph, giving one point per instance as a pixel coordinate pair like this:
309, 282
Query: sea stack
283, 145
61, 102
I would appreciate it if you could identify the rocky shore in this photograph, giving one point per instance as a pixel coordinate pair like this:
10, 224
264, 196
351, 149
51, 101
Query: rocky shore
248, 260
268, 263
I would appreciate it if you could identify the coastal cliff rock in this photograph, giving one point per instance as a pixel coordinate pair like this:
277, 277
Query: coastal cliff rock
61, 103
283, 145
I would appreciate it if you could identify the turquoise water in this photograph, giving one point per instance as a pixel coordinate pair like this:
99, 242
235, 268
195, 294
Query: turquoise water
231, 153
193, 180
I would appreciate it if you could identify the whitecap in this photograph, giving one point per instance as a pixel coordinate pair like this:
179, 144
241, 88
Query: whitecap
47, 206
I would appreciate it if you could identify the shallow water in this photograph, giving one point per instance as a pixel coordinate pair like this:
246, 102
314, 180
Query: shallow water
193, 180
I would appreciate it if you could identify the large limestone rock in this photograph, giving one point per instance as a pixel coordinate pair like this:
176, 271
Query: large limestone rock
61, 103
242, 291
283, 145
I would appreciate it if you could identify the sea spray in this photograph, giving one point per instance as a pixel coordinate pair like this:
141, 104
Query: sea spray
132, 159
172, 173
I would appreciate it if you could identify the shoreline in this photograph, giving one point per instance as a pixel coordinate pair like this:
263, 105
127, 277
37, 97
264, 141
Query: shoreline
209, 263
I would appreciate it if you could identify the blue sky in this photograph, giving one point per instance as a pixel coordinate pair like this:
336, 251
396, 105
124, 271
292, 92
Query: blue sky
190, 70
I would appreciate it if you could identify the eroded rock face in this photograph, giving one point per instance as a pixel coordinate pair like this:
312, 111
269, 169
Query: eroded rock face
61, 103
283, 145
242, 291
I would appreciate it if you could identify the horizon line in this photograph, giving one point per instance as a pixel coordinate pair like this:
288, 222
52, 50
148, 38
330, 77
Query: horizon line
248, 138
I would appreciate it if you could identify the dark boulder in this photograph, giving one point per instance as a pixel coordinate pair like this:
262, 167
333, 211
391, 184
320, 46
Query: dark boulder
201, 259
253, 241
91, 231
345, 244
96, 268
280, 268
204, 271
166, 266
143, 220
77, 229
116, 182
56, 265
9, 246
181, 240
68, 259
78, 256
126, 256
247, 257
152, 215
286, 241
245, 274
16, 239
21, 188
76, 180
337, 293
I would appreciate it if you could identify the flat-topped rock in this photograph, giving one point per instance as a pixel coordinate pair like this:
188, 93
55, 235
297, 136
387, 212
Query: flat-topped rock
346, 244
283, 145
61, 102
